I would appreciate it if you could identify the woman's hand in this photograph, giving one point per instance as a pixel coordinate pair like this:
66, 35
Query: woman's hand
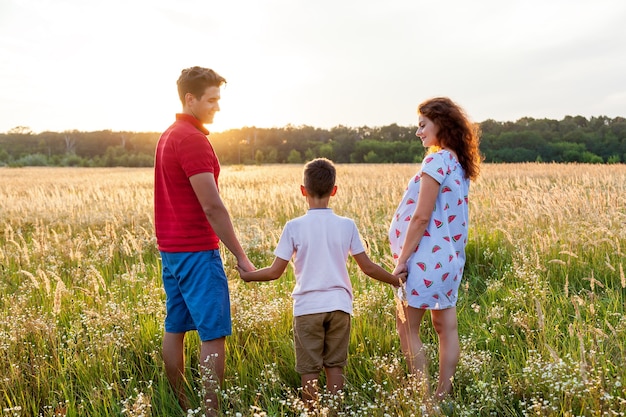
401, 268
401, 271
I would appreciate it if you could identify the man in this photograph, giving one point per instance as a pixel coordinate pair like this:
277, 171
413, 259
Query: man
190, 221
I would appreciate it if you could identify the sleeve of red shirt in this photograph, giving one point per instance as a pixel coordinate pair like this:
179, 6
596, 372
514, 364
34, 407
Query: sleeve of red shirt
196, 155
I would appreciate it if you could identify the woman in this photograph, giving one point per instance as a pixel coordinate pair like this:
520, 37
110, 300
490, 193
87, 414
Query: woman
428, 234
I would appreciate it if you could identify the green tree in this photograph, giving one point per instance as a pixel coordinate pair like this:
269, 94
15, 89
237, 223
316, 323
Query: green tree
371, 158
326, 151
294, 157
258, 157
272, 156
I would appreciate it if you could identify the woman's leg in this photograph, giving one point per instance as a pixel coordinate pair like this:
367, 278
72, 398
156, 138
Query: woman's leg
445, 324
410, 341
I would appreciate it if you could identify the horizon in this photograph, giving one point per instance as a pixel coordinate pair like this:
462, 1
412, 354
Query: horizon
212, 131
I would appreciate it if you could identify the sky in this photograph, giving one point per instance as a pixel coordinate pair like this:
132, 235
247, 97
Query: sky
94, 64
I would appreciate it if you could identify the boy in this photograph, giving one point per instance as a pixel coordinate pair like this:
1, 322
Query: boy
320, 243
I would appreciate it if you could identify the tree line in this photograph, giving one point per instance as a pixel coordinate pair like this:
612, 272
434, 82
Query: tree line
572, 139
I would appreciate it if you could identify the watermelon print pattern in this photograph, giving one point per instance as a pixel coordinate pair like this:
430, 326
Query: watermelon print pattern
436, 267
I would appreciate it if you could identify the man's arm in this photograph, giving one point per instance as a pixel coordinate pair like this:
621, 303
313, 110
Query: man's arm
216, 213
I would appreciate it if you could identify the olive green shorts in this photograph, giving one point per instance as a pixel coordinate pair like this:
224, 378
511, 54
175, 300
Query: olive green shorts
321, 341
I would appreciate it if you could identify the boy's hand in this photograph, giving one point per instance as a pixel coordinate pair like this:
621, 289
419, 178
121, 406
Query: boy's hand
401, 279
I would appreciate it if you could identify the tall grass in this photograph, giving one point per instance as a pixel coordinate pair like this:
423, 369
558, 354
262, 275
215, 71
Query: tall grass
541, 310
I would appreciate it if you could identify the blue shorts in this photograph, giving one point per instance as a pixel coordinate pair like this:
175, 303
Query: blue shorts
197, 297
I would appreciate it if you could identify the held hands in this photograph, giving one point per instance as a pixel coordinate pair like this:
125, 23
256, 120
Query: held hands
401, 271
244, 267
268, 273
245, 275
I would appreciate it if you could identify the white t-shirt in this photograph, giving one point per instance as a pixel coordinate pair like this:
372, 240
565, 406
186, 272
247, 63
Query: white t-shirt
320, 242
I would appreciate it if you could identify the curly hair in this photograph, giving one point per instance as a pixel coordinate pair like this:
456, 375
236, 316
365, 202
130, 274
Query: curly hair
196, 80
456, 132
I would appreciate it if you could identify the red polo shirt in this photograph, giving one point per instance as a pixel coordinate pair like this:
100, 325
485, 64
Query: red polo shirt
183, 150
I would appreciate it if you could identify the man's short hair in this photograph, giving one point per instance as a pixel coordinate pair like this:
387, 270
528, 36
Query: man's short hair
196, 80
319, 177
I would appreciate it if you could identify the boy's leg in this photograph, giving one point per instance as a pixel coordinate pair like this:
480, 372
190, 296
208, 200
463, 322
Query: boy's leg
334, 379
174, 360
310, 383
308, 338
337, 341
445, 324
212, 360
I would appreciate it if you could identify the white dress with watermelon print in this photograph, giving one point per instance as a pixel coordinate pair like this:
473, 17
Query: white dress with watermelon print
436, 268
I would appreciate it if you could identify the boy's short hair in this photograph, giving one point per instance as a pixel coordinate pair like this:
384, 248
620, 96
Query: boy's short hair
319, 177
195, 80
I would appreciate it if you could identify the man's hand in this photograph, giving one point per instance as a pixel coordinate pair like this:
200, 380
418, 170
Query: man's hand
244, 275
244, 265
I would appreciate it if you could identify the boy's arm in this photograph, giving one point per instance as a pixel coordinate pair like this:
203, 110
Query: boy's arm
268, 273
377, 272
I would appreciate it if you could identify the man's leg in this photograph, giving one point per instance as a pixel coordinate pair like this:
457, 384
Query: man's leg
174, 359
212, 363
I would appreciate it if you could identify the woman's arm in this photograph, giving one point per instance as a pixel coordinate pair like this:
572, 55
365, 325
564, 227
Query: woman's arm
429, 189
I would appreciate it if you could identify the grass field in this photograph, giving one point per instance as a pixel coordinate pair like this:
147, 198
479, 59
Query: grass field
541, 310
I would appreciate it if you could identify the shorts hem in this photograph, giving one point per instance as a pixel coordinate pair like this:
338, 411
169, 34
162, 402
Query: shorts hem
180, 330
214, 335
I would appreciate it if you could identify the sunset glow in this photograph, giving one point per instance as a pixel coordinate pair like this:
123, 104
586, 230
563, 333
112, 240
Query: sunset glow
90, 66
